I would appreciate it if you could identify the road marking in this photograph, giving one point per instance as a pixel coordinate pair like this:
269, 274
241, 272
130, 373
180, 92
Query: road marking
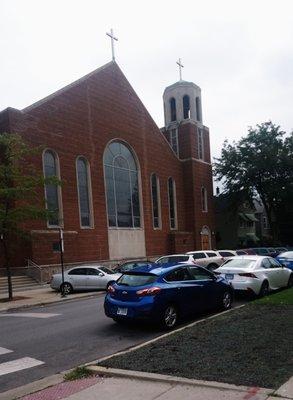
5, 351
18, 365
30, 315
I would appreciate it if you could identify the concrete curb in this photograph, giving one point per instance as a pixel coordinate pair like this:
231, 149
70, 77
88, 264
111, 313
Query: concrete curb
148, 376
133, 348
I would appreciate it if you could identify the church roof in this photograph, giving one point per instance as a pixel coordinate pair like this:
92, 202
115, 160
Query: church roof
181, 83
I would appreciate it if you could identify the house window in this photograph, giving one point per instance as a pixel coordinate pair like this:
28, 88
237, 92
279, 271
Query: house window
186, 107
122, 188
204, 199
52, 192
174, 140
265, 222
200, 144
83, 188
172, 203
155, 191
173, 109
198, 109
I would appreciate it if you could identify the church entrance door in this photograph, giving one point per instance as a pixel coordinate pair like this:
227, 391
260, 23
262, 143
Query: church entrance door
205, 238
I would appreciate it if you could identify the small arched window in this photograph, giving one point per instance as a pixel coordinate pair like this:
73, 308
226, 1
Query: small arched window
198, 109
204, 199
186, 107
83, 189
173, 109
172, 203
52, 192
122, 188
155, 192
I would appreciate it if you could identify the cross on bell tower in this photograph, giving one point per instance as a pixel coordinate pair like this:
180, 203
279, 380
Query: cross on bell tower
111, 35
180, 65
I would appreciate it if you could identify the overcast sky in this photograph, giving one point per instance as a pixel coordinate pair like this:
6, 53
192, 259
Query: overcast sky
239, 52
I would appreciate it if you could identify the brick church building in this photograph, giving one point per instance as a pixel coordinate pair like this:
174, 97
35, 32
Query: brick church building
129, 188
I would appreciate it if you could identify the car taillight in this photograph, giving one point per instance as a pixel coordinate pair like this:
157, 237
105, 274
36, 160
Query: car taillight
248, 275
148, 292
110, 289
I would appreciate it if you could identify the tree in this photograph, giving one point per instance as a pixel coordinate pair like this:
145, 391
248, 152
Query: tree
260, 166
20, 199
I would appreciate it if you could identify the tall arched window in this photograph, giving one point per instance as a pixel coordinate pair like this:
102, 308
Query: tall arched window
122, 189
52, 192
172, 203
83, 189
173, 109
155, 191
204, 199
186, 107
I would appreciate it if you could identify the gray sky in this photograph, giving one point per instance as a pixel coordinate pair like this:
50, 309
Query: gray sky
239, 52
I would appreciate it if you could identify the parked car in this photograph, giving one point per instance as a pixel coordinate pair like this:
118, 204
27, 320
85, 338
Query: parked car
286, 259
255, 274
163, 294
281, 249
231, 253
209, 259
175, 259
249, 251
130, 265
87, 277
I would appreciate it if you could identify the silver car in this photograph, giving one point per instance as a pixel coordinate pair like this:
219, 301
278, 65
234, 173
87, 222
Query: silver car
84, 278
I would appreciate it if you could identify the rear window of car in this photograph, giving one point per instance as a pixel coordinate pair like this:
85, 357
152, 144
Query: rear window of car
235, 263
241, 252
226, 254
136, 279
211, 254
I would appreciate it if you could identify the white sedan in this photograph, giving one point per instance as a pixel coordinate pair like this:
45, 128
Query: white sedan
255, 274
86, 277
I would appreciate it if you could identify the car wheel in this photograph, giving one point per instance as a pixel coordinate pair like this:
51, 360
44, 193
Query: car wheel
212, 267
66, 288
226, 301
290, 281
264, 290
170, 317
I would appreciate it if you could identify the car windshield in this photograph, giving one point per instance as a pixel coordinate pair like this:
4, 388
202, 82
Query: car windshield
136, 279
261, 251
287, 254
106, 270
238, 263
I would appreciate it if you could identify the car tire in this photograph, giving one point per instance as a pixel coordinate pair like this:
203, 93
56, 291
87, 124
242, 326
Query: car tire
290, 281
212, 267
227, 299
169, 317
66, 288
264, 290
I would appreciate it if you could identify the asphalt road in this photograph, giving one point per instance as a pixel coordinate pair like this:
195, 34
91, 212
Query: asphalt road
78, 334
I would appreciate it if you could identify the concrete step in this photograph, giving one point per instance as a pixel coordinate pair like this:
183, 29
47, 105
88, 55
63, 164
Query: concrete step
19, 284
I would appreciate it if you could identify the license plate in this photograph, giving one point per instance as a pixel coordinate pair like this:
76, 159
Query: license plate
229, 277
121, 311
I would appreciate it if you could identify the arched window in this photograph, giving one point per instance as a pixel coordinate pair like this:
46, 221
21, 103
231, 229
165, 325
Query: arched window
172, 203
122, 189
155, 191
173, 109
204, 199
200, 144
83, 189
52, 192
186, 107
198, 109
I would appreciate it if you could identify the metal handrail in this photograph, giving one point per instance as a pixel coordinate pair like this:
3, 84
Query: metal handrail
34, 271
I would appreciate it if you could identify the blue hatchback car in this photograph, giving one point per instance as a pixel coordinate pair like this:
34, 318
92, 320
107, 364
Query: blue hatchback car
162, 294
286, 259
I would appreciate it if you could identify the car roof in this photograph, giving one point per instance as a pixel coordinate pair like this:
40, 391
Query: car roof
159, 270
249, 257
175, 255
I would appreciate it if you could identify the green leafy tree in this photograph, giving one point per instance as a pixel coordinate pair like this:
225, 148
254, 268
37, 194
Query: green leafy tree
20, 199
260, 165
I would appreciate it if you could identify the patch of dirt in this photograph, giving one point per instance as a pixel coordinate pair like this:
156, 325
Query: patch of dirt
251, 346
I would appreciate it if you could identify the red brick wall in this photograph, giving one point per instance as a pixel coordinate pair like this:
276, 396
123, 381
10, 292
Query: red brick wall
81, 120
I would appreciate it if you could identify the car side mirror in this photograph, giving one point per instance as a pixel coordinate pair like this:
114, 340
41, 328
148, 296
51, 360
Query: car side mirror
100, 274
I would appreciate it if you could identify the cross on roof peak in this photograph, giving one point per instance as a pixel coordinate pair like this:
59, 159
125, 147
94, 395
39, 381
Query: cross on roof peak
180, 65
111, 35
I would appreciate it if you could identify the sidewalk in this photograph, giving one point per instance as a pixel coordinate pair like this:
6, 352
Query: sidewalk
44, 295
131, 385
